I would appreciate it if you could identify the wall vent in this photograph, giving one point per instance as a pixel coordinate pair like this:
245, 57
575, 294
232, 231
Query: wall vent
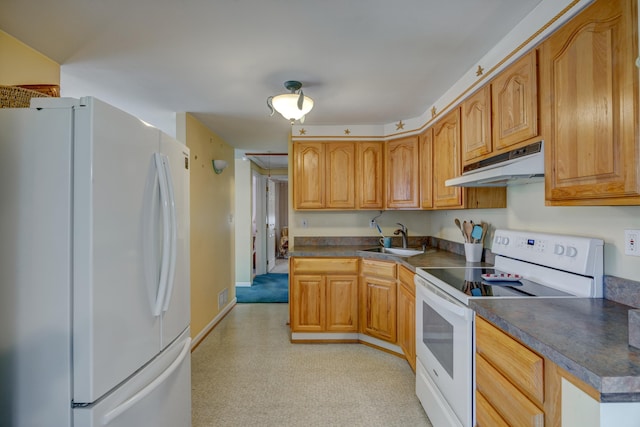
223, 298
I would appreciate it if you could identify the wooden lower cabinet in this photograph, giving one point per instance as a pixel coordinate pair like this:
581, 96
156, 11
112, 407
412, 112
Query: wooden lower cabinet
514, 385
406, 324
323, 294
307, 302
378, 299
351, 297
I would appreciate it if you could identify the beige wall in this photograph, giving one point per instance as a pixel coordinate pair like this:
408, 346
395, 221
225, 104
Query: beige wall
20, 64
243, 223
212, 229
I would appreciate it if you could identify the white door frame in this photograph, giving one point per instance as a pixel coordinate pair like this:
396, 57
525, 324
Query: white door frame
270, 222
259, 222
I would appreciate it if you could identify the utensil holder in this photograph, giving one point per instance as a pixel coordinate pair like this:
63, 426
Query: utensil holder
473, 252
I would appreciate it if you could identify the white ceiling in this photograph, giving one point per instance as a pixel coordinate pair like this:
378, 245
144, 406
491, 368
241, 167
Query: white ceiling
362, 61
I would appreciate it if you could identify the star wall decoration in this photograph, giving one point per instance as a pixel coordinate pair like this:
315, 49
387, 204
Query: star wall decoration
479, 71
303, 131
347, 132
399, 125
433, 111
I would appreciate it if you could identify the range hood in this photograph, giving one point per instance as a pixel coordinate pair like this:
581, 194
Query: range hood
520, 166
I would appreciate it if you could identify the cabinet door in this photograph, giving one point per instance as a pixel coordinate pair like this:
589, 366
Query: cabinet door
590, 107
407, 321
514, 96
370, 177
476, 125
446, 161
425, 149
402, 173
342, 303
379, 308
340, 175
308, 303
308, 175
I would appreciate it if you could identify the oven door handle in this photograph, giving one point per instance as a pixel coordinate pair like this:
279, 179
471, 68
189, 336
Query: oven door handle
440, 301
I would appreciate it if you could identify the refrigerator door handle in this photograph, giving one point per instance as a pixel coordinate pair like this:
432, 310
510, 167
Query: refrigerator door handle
166, 236
133, 400
174, 241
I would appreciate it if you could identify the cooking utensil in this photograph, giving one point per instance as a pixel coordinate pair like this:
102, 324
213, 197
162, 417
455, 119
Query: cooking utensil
459, 225
476, 233
468, 228
485, 228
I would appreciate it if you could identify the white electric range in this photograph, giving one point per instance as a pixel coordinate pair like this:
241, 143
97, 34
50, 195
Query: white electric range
527, 264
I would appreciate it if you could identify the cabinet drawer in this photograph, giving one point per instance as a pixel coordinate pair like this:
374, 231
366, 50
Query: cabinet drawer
508, 401
520, 365
486, 415
406, 279
325, 265
383, 269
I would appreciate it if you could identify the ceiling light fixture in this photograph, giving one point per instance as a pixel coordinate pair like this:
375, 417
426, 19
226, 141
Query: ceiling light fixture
292, 106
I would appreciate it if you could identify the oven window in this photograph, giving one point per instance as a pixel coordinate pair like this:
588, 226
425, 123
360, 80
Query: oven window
437, 335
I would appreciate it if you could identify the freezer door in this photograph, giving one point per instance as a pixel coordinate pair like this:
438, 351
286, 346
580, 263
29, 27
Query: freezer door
159, 395
176, 307
35, 279
115, 331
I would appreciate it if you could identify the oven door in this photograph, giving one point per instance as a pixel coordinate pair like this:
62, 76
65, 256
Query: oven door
444, 349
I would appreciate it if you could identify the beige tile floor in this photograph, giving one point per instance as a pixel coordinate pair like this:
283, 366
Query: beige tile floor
246, 373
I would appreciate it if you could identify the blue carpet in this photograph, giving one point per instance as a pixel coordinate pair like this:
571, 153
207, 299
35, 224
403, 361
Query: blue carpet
271, 287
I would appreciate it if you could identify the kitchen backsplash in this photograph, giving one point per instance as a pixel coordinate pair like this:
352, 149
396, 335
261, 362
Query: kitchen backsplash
620, 290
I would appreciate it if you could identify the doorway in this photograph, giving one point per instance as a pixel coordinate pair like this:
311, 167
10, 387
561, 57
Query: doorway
269, 220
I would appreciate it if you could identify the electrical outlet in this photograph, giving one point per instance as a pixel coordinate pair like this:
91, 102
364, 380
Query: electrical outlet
372, 223
305, 224
632, 242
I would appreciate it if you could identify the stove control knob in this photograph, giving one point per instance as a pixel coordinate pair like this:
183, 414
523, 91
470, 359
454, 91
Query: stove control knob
558, 250
572, 251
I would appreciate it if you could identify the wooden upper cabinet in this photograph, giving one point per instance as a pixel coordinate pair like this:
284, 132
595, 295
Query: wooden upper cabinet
446, 160
402, 173
308, 175
340, 175
589, 107
425, 150
514, 103
370, 176
476, 125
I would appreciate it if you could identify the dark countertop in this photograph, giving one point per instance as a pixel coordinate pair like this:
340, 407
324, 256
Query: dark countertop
585, 336
431, 258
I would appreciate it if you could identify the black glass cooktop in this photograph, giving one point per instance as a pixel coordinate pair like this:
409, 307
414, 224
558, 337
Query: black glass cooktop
469, 281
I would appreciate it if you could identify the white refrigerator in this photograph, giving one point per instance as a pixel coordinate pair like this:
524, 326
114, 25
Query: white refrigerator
94, 269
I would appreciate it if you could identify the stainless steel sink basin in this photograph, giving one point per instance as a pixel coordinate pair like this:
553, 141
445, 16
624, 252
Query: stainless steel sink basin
401, 252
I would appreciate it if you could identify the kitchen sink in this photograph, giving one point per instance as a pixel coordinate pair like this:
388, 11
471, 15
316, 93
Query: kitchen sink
401, 252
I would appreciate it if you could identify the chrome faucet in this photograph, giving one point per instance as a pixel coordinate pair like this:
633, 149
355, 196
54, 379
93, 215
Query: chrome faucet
402, 230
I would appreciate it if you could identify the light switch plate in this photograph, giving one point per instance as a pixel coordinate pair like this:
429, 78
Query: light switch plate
632, 242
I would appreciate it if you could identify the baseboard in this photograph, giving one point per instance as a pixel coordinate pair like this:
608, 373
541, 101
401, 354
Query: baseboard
354, 337
243, 284
203, 334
